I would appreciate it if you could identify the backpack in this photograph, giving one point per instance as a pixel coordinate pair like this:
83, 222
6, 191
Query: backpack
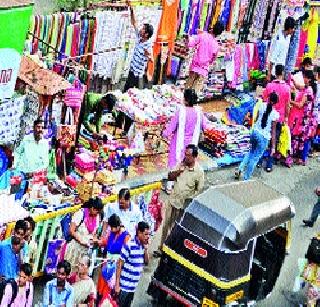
313, 252
65, 226
14, 286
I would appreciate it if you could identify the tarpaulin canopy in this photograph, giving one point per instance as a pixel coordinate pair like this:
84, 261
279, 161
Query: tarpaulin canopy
43, 81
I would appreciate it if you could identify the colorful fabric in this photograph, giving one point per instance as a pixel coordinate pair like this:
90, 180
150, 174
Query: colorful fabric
296, 113
207, 49
293, 52
313, 34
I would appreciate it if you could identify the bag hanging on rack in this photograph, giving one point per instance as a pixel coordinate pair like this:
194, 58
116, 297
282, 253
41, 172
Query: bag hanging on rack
66, 133
52, 169
74, 95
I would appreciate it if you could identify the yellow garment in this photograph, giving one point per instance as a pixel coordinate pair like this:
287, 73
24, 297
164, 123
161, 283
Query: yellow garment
313, 34
255, 111
284, 145
217, 13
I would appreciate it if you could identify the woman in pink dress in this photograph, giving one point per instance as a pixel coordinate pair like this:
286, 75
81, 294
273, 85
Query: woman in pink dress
183, 129
300, 119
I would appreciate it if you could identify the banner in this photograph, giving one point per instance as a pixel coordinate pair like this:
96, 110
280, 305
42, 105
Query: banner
14, 24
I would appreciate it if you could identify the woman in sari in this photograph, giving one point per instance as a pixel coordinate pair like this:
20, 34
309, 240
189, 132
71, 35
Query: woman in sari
83, 229
83, 285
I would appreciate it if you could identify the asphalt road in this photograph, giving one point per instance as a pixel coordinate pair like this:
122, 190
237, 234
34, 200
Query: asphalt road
298, 184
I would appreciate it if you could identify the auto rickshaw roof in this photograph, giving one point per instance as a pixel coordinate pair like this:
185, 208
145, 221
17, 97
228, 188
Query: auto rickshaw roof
233, 214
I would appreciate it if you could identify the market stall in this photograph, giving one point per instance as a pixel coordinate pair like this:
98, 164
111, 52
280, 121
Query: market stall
48, 216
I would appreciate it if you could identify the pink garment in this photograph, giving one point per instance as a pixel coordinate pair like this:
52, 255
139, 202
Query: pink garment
90, 221
206, 51
21, 298
296, 114
237, 66
302, 43
172, 130
282, 89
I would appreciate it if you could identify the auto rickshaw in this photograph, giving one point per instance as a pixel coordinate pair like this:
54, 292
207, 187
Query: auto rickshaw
227, 248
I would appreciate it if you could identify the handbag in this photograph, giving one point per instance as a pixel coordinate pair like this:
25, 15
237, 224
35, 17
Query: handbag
66, 133
74, 95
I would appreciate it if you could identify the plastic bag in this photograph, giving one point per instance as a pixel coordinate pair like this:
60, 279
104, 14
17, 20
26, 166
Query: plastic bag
284, 145
74, 95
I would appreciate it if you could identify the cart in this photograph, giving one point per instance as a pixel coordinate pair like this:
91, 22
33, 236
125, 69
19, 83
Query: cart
227, 248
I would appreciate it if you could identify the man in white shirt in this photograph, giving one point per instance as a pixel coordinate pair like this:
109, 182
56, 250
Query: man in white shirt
128, 212
33, 153
280, 46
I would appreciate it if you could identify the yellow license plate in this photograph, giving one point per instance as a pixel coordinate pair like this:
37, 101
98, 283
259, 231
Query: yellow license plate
209, 303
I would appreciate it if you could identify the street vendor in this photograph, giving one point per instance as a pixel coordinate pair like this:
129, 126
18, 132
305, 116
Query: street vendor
96, 104
33, 153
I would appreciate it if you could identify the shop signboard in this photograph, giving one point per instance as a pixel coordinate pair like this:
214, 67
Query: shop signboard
14, 24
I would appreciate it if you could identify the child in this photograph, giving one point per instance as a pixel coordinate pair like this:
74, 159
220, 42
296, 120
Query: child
263, 131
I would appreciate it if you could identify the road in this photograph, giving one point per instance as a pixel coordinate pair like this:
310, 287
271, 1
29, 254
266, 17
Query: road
298, 184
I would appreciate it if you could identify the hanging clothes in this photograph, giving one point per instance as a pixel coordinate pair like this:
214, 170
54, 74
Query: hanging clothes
167, 32
313, 34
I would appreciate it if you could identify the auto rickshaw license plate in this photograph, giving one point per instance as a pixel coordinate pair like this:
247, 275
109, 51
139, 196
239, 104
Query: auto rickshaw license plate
209, 303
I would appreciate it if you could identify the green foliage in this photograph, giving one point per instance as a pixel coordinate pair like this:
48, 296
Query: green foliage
73, 4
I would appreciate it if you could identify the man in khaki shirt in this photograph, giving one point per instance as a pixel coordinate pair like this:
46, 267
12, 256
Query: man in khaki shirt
189, 182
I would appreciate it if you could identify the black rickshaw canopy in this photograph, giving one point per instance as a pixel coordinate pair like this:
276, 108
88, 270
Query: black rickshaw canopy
229, 216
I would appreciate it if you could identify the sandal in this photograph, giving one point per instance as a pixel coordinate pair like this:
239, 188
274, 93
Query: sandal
157, 254
237, 174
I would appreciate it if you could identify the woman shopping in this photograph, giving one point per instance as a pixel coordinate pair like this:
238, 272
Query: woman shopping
112, 243
302, 123
183, 129
263, 131
83, 229
83, 285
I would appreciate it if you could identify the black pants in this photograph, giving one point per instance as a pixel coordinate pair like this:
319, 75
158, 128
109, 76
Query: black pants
132, 81
125, 298
121, 119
